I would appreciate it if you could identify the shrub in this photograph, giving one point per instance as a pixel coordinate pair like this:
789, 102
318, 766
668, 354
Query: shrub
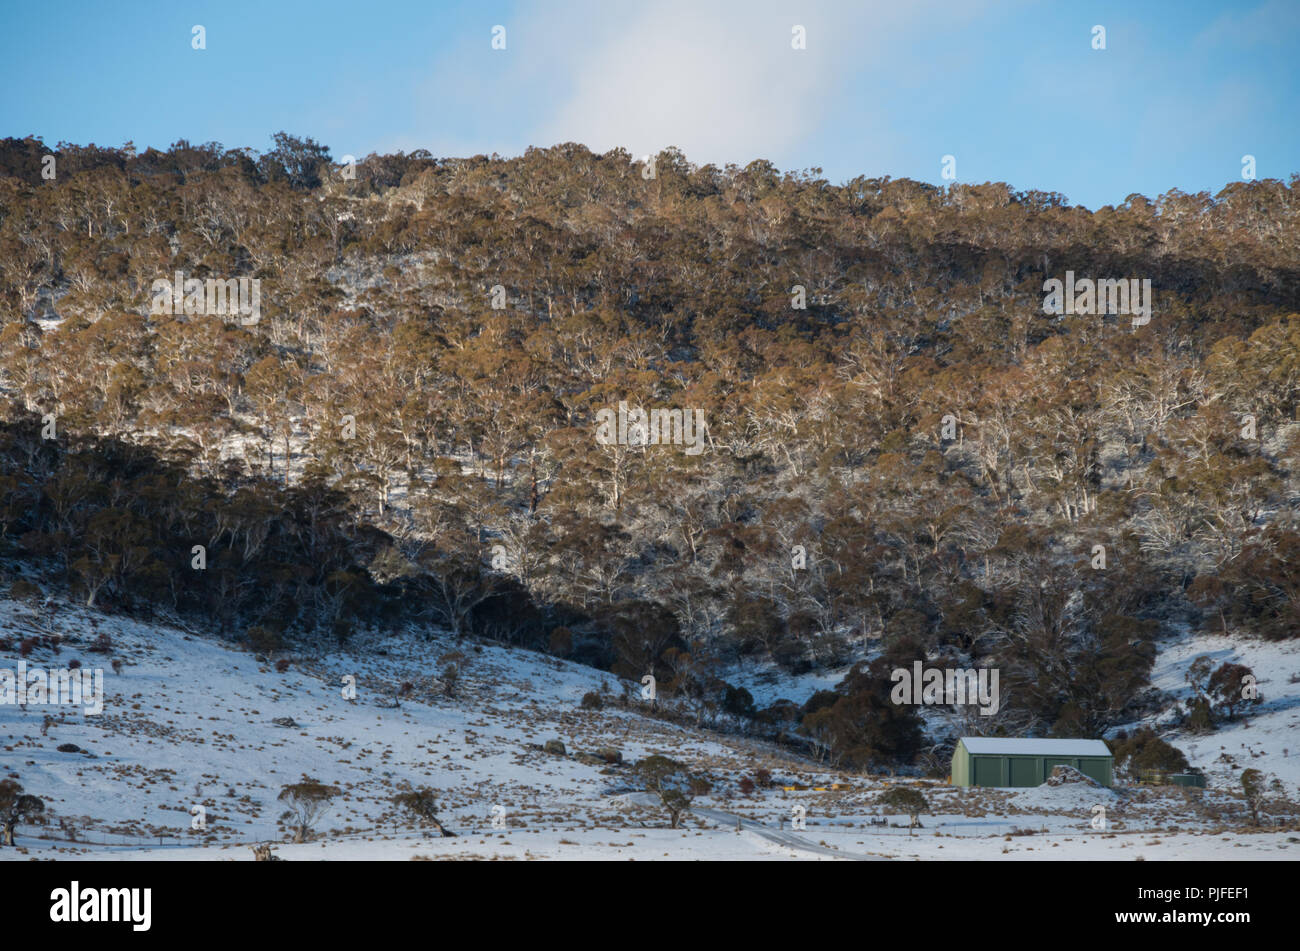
906, 800
343, 628
1227, 689
738, 701
24, 590
263, 640
782, 713
699, 786
1144, 751
1219, 692
450, 678
561, 642
1197, 674
792, 656
746, 786
1199, 718
591, 700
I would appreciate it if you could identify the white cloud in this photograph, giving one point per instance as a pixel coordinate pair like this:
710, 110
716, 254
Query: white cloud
723, 84
719, 79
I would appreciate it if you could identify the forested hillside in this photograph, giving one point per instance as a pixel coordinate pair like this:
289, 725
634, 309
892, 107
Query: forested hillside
904, 458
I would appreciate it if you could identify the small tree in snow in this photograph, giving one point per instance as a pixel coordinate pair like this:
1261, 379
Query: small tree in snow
1232, 689
673, 784
677, 803
450, 678
906, 800
422, 803
307, 801
15, 807
1252, 787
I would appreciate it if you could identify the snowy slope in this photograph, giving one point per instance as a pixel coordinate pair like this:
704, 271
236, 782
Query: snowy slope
188, 722
1268, 738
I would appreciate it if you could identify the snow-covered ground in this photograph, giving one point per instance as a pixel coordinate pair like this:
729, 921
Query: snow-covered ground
1268, 737
189, 721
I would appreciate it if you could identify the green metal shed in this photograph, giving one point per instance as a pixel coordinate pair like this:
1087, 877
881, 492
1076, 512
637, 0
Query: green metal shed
999, 761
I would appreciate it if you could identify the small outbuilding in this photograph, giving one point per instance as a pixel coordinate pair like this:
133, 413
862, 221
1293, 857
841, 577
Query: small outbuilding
1000, 761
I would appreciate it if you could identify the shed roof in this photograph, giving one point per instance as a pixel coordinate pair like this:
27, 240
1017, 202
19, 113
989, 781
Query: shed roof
1015, 746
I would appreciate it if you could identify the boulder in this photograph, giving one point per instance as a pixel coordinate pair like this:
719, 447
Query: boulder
1061, 775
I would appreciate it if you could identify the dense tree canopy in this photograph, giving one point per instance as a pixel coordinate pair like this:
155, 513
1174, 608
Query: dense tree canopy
900, 445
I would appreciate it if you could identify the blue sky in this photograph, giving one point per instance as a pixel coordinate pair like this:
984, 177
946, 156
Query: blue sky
1013, 90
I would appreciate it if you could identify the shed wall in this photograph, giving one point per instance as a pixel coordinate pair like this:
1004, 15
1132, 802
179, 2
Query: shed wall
1009, 771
